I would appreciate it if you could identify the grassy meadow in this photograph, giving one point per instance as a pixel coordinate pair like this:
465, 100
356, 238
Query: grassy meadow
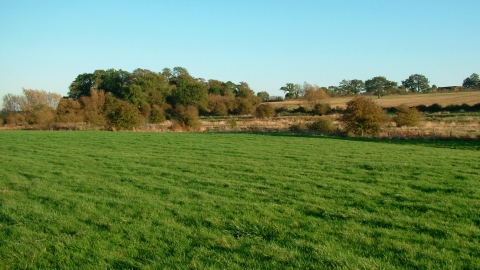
126, 200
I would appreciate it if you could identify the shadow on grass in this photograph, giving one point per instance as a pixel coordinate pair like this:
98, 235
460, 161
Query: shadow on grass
454, 143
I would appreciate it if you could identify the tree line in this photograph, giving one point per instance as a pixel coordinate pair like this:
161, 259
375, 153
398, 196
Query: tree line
380, 86
123, 100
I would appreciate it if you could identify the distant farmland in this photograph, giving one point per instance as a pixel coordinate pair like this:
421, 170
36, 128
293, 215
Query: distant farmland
90, 200
443, 99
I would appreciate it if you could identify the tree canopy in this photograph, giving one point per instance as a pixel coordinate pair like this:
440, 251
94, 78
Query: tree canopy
379, 86
363, 116
417, 83
472, 82
351, 87
289, 90
157, 95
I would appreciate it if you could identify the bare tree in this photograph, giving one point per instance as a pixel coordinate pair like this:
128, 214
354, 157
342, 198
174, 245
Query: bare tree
12, 103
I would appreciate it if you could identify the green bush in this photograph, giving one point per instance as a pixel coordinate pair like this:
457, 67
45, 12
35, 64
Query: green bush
422, 108
322, 108
323, 125
406, 116
465, 107
122, 114
363, 117
283, 109
264, 111
300, 109
434, 108
232, 122
157, 115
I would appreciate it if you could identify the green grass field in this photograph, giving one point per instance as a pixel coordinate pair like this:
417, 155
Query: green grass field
90, 200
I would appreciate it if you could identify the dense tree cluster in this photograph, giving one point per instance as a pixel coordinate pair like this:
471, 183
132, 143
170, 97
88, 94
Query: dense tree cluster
123, 99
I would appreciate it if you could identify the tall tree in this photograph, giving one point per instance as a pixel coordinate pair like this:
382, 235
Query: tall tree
82, 84
472, 82
12, 103
352, 87
380, 86
229, 88
417, 83
289, 90
133, 94
155, 87
114, 81
263, 95
299, 90
111, 81
188, 90
243, 90
333, 90
215, 87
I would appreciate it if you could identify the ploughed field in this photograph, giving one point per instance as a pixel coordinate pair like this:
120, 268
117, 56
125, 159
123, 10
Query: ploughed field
127, 200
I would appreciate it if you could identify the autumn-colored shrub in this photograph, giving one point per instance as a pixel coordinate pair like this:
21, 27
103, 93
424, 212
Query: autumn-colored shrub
69, 111
145, 110
264, 110
298, 128
220, 109
221, 105
244, 107
363, 117
188, 117
176, 126
314, 95
322, 125
322, 108
406, 116
42, 116
15, 119
94, 107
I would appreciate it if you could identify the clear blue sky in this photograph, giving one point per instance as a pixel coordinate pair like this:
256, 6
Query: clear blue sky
44, 45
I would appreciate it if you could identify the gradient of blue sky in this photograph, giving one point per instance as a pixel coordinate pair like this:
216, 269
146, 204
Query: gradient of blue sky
45, 44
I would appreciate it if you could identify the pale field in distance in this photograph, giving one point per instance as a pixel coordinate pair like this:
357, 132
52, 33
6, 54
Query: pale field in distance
443, 99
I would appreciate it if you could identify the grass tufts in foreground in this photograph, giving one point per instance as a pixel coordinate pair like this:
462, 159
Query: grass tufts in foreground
235, 201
